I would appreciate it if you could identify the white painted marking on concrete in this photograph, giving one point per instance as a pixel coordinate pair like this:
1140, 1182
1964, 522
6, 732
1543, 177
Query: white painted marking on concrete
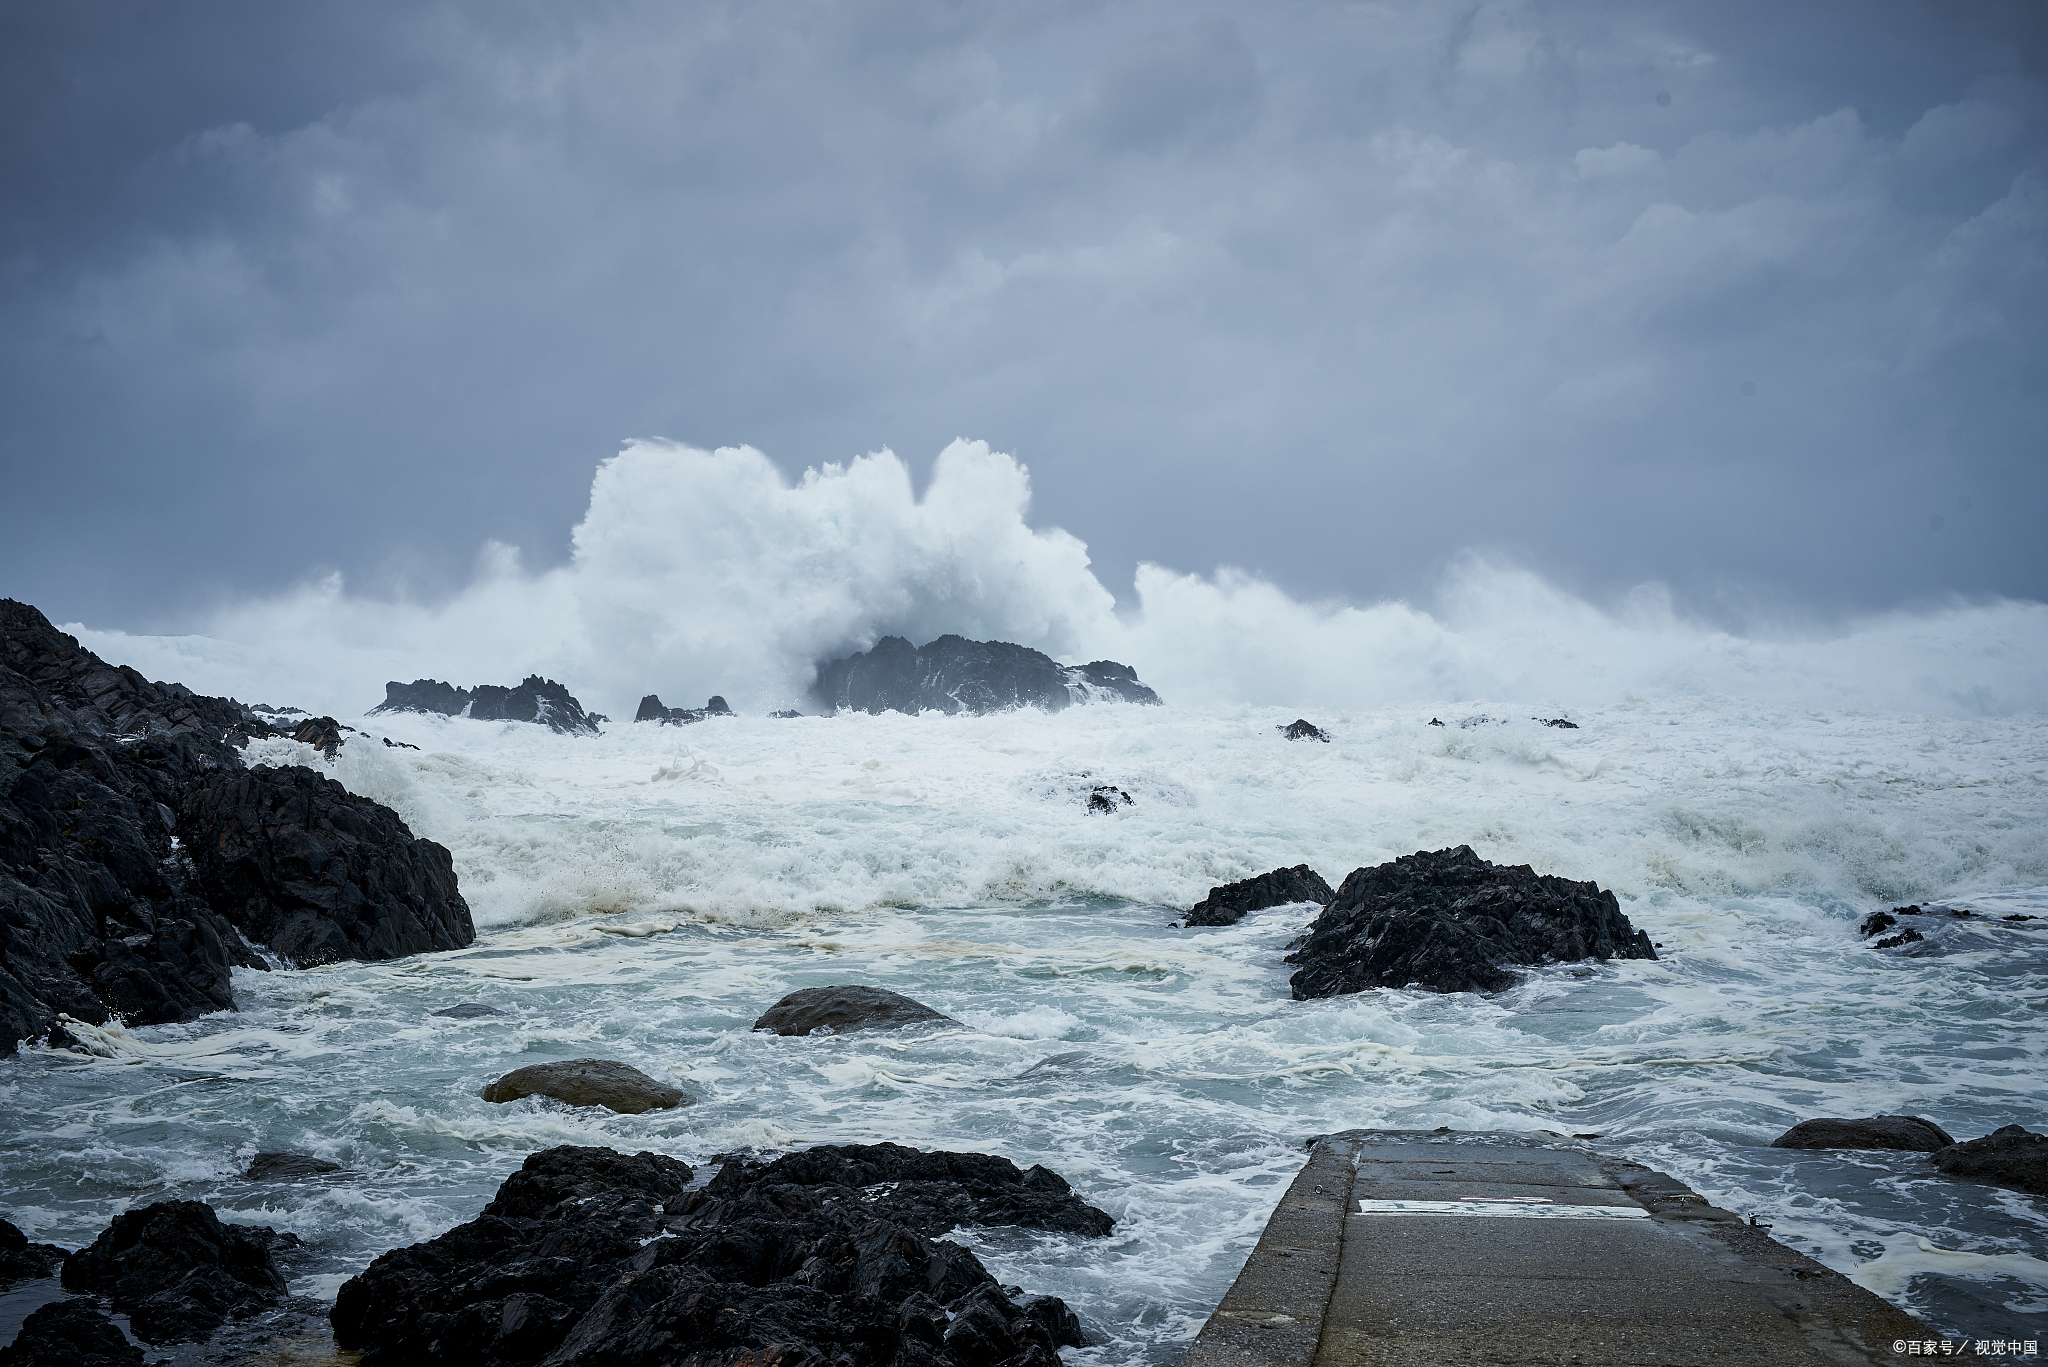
1508, 1209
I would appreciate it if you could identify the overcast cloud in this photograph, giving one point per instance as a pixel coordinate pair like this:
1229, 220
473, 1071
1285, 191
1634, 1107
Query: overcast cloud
1747, 298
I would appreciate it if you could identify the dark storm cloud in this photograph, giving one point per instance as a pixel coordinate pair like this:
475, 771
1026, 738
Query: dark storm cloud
1709, 293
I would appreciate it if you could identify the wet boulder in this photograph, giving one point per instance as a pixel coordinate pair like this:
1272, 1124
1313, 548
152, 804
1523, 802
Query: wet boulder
464, 1011
2010, 1156
840, 1010
589, 1082
70, 1333
301, 864
592, 1256
1227, 905
1449, 921
1303, 729
177, 1272
1906, 1132
22, 1259
287, 1167
931, 1192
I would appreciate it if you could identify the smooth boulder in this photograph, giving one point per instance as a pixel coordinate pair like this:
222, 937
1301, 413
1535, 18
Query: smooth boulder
70, 1333
301, 864
177, 1272
1906, 1132
1449, 921
954, 675
589, 1082
2011, 1156
840, 1010
1227, 905
591, 1256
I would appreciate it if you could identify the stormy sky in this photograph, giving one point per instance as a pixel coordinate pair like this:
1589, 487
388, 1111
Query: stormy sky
1747, 298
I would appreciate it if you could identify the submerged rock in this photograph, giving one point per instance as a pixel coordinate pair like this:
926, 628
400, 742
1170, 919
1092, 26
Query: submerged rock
1559, 722
287, 1167
464, 1011
24, 1260
301, 864
589, 1082
537, 700
590, 1256
955, 675
177, 1272
1227, 905
1908, 1132
652, 710
1301, 728
2010, 1156
1105, 798
840, 1010
70, 1333
1450, 921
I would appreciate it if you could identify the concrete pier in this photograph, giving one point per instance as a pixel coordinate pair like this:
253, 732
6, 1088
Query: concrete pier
1397, 1246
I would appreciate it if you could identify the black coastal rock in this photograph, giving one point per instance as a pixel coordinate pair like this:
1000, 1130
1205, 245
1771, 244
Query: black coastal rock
21, 1259
301, 864
2011, 1156
589, 1082
953, 674
541, 701
70, 1333
589, 1256
177, 1272
652, 710
839, 1010
1906, 1132
1227, 905
1450, 921
1301, 728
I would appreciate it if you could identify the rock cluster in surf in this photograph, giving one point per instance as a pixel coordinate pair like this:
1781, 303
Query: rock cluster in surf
826, 1256
104, 910
1229, 904
652, 710
1450, 921
538, 700
178, 1273
955, 675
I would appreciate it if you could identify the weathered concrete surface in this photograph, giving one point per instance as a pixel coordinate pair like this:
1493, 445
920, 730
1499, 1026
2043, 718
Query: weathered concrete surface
1652, 1276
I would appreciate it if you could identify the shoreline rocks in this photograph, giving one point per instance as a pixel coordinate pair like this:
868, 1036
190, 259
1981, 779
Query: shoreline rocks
177, 1272
2010, 1156
652, 710
1449, 921
1229, 904
23, 1260
1904, 1132
589, 1082
70, 1333
955, 675
1301, 728
592, 1256
541, 701
844, 1009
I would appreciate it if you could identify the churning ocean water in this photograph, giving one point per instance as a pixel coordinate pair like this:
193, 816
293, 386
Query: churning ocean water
645, 894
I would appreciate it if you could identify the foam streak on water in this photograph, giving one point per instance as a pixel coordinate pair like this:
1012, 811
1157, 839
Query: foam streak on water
645, 894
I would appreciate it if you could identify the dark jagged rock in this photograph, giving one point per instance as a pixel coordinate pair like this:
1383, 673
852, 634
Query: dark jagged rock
303, 865
96, 919
785, 714
652, 710
841, 1010
1227, 905
1876, 921
390, 744
1105, 798
955, 675
588, 1256
1907, 1132
1559, 722
463, 1011
1434, 722
22, 1259
70, 1333
538, 700
1904, 937
1451, 922
2010, 1156
589, 1082
177, 1272
287, 1167
1301, 728
322, 733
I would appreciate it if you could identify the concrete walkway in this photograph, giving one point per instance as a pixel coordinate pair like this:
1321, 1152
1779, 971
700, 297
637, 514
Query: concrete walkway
1397, 1246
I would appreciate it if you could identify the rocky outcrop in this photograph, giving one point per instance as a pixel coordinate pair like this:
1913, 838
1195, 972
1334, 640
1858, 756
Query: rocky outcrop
178, 1273
1105, 799
22, 1259
322, 733
70, 1333
956, 675
841, 1010
1227, 905
96, 919
652, 710
2010, 1156
1449, 921
1301, 728
301, 864
287, 1167
1907, 1132
538, 700
589, 1082
589, 1256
